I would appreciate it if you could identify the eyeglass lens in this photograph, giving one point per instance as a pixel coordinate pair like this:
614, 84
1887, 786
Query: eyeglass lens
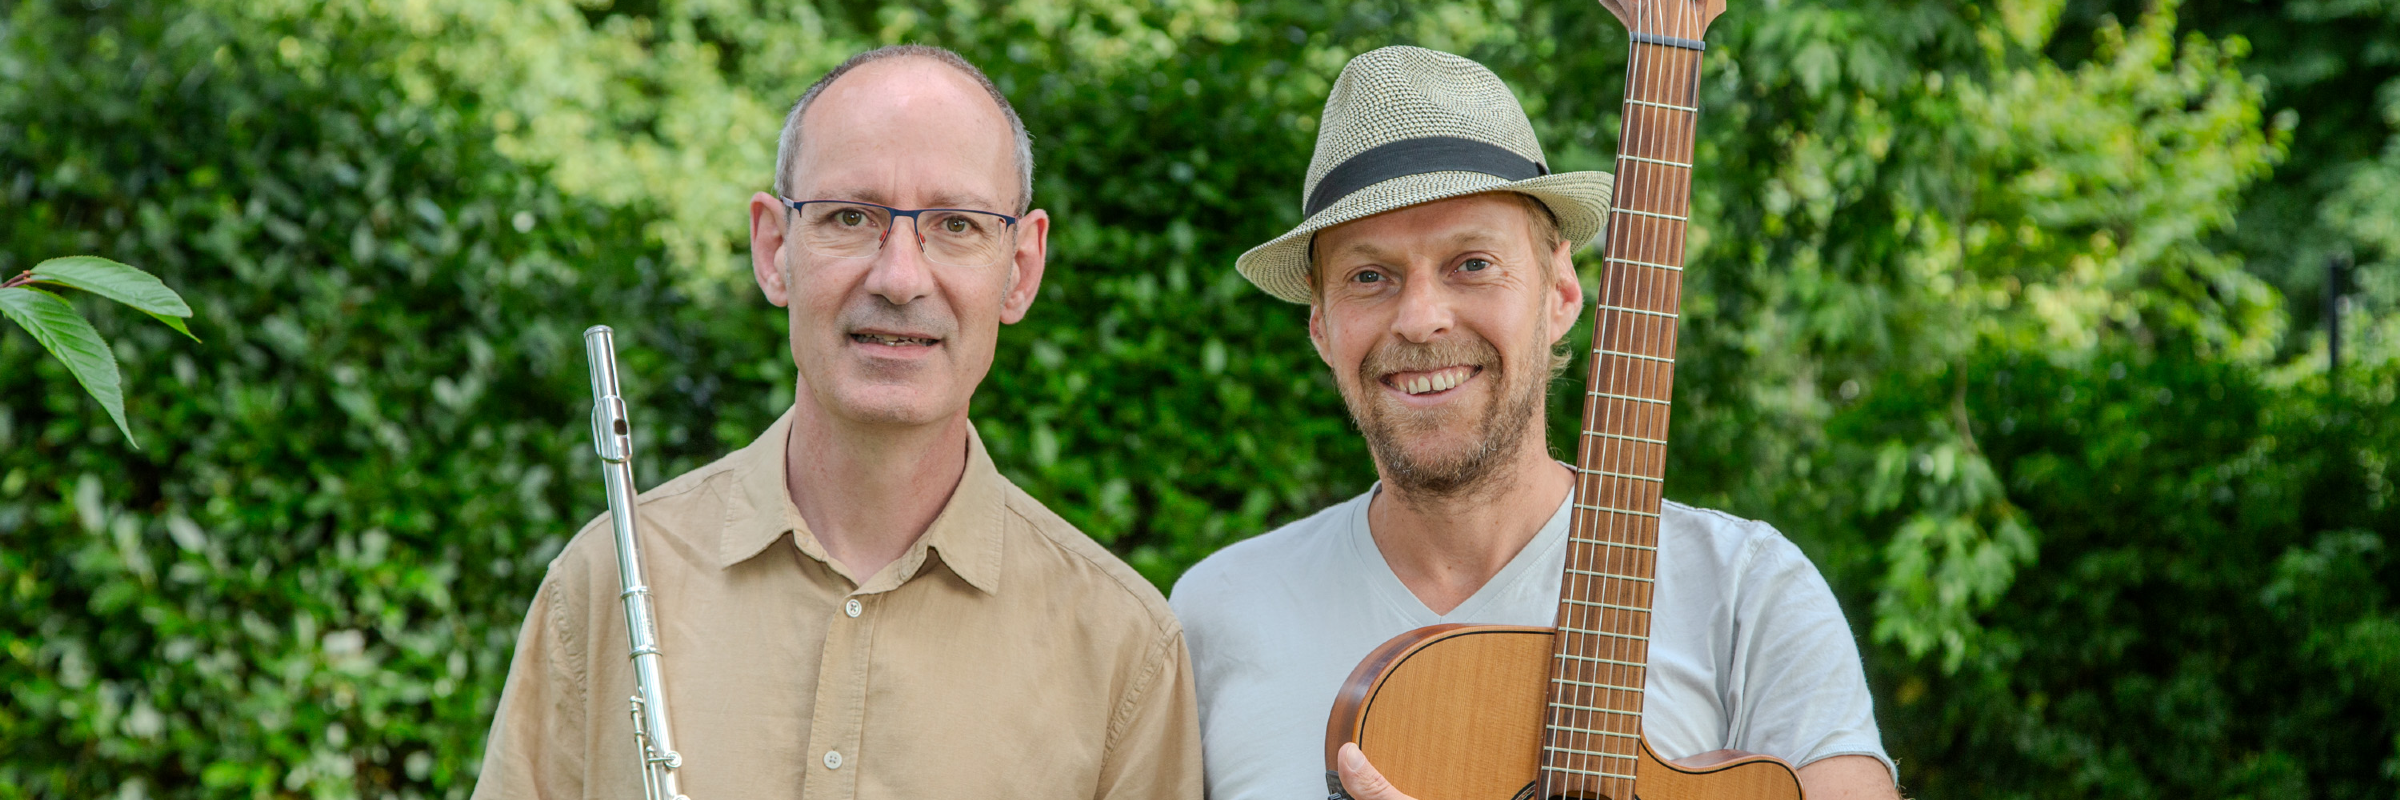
955, 238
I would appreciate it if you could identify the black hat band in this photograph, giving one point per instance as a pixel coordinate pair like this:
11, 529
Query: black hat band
1416, 157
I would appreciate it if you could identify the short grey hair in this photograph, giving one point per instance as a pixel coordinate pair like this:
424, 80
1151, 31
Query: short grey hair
788, 150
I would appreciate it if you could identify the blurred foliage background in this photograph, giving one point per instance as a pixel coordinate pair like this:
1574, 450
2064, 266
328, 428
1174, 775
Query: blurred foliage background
2013, 315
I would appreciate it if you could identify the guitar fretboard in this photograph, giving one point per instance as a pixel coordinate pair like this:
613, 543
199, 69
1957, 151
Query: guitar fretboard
1594, 736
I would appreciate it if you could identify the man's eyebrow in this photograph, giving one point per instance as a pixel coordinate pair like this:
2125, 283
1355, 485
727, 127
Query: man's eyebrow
965, 200
863, 194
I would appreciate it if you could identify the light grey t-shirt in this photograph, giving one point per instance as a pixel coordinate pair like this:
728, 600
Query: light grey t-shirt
1748, 650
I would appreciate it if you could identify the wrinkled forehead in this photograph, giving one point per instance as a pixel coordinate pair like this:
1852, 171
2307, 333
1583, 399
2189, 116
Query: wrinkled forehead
1490, 221
907, 130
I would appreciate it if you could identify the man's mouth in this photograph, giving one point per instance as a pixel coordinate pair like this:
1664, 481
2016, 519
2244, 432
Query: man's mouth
894, 340
1430, 382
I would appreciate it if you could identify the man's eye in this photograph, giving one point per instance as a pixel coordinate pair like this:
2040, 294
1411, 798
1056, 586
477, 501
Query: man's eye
1367, 276
850, 217
1474, 265
957, 225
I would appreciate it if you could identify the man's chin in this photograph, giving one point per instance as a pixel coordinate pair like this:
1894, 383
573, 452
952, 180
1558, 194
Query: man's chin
903, 404
1438, 467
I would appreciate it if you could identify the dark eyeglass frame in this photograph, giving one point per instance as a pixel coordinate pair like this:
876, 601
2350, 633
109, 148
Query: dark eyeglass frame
1008, 223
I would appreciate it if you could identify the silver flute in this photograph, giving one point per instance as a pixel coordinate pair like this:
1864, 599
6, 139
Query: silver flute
612, 436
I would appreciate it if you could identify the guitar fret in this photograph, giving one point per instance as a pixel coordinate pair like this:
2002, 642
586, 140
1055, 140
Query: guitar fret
1607, 575
1590, 685
1619, 734
1643, 263
1626, 438
1652, 214
1563, 749
1589, 772
1603, 633
1603, 660
1584, 708
1604, 542
1661, 359
1625, 397
1667, 314
1624, 475
1655, 161
1690, 109
1590, 507
1599, 604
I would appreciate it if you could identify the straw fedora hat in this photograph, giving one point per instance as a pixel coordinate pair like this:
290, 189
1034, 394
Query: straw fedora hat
1407, 125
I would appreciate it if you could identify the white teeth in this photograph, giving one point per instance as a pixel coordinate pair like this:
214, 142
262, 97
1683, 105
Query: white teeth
1442, 381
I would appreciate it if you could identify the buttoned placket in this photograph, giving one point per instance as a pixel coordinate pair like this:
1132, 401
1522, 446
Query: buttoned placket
836, 729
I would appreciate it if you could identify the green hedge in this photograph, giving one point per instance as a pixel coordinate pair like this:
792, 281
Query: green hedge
1961, 322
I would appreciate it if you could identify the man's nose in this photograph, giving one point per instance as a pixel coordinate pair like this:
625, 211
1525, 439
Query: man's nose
1424, 312
900, 273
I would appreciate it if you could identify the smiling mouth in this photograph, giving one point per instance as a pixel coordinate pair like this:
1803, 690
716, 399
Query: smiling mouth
893, 340
1433, 382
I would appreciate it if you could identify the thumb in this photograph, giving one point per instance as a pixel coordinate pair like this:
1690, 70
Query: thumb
1360, 779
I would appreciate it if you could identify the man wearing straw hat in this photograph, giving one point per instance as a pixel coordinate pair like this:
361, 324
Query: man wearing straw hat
1435, 260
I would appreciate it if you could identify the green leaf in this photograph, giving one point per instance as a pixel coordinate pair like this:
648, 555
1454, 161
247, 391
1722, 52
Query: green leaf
120, 282
66, 335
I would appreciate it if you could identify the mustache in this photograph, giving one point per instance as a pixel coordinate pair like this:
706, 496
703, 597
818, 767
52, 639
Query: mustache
876, 312
1406, 356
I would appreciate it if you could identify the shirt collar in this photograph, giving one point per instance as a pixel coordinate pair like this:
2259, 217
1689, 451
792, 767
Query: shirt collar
966, 535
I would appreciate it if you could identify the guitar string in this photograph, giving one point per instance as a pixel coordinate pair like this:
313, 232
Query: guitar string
1648, 290
1660, 288
1610, 333
1604, 324
1587, 495
1628, 291
1662, 243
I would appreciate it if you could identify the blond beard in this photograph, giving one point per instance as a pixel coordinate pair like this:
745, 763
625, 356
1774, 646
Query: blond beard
1516, 403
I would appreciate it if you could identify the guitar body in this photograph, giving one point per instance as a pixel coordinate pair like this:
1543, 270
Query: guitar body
1456, 712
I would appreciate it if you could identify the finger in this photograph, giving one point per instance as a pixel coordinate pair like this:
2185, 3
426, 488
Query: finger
1360, 779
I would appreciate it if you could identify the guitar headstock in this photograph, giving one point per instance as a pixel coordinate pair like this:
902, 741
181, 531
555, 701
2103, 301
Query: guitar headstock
1681, 19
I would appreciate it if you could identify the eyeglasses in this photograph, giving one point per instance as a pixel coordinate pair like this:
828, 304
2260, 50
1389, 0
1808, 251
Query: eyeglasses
956, 237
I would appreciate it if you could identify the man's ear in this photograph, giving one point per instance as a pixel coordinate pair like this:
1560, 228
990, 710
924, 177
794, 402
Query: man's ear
1566, 291
766, 247
1026, 265
1316, 332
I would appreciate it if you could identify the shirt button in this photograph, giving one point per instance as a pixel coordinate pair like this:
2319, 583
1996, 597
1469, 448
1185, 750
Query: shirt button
851, 608
833, 759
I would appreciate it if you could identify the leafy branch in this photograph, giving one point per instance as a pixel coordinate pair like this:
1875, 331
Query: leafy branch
26, 300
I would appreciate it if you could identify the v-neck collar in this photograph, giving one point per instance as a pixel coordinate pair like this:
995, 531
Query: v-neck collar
1540, 549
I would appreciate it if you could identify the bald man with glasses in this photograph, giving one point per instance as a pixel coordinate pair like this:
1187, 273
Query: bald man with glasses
858, 604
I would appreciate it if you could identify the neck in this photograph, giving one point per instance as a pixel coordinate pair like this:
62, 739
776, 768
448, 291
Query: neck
868, 492
1446, 548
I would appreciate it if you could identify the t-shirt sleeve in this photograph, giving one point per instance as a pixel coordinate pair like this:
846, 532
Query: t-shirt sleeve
1798, 685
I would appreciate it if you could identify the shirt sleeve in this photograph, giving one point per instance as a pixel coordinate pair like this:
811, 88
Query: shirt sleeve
1800, 687
1154, 740
536, 746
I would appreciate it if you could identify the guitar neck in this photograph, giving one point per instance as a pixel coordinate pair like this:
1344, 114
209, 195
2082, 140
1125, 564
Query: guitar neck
1602, 646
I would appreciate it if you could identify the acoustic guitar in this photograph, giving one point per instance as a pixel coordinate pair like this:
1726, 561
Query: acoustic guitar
1469, 712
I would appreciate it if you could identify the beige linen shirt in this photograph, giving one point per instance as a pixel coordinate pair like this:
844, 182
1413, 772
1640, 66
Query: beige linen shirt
1004, 655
